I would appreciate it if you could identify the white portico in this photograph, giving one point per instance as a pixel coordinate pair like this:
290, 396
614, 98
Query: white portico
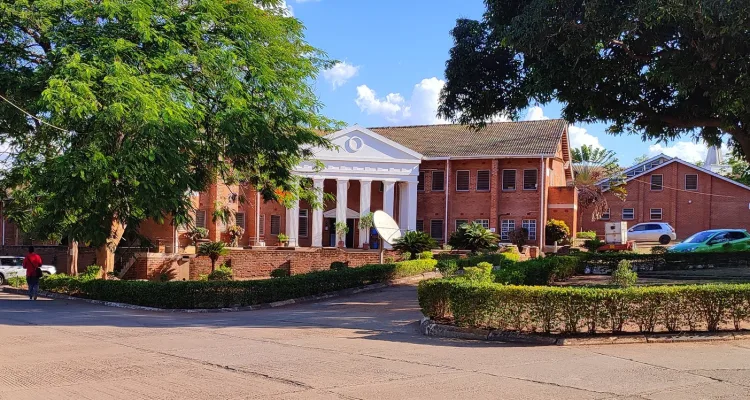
362, 155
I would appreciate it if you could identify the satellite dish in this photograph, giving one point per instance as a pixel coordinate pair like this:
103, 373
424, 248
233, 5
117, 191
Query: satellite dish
387, 228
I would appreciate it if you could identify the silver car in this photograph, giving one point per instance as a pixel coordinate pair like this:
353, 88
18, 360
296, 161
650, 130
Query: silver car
12, 266
660, 232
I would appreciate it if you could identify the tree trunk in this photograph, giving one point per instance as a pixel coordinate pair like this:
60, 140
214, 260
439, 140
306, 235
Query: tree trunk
105, 254
73, 257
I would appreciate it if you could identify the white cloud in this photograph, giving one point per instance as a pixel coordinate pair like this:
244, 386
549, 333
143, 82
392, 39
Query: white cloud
535, 114
340, 73
688, 151
578, 136
421, 108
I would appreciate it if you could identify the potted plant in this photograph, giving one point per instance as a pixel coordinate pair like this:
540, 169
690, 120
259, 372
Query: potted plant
235, 233
198, 234
366, 223
341, 230
283, 239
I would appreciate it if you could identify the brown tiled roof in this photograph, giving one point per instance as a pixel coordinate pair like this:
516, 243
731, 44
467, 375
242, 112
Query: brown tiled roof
495, 139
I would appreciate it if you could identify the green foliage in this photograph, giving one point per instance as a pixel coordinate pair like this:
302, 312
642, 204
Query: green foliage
222, 273
590, 166
198, 233
474, 237
592, 245
342, 229
556, 231
657, 69
281, 273
572, 310
481, 273
282, 238
414, 242
586, 235
66, 284
406, 255
220, 294
740, 169
17, 281
235, 233
150, 101
425, 255
366, 221
518, 236
624, 276
213, 250
658, 250
447, 266
538, 271
339, 265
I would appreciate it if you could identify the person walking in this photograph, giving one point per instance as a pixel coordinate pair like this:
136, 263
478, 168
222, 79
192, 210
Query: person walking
32, 263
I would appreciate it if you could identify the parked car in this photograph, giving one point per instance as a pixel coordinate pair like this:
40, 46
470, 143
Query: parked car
712, 240
660, 232
12, 266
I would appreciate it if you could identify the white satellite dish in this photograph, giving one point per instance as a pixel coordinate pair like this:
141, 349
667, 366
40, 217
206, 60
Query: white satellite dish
387, 228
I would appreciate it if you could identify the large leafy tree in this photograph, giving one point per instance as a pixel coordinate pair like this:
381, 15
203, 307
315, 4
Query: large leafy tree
128, 106
591, 165
659, 69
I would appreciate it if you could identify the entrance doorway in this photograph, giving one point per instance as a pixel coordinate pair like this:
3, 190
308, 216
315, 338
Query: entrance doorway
348, 240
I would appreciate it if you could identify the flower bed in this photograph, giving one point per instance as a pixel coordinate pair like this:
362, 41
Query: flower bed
221, 294
572, 310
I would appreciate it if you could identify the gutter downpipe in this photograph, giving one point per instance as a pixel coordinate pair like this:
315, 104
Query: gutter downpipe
542, 210
447, 191
257, 218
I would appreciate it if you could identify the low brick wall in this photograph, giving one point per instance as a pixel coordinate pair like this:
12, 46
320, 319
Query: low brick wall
159, 266
258, 263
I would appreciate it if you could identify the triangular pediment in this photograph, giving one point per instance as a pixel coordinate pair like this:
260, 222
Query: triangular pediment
361, 144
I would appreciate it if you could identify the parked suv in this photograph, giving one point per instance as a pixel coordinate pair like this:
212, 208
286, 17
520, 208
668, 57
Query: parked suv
660, 232
12, 266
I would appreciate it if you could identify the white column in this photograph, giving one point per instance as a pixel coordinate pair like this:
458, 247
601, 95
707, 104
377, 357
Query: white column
317, 217
365, 194
342, 187
388, 197
403, 203
411, 219
292, 224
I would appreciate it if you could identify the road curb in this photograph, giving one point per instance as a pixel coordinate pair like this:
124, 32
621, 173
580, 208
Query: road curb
429, 327
282, 303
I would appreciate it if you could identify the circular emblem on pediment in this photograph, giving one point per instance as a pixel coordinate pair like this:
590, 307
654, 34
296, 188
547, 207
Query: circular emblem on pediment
354, 144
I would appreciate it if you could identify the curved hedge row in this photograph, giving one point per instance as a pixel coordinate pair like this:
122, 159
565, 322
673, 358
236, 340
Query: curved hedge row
221, 294
572, 310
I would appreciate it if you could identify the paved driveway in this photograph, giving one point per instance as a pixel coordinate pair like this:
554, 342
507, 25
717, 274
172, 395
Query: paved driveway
360, 347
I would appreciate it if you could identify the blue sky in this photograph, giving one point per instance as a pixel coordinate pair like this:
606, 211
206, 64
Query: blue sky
393, 54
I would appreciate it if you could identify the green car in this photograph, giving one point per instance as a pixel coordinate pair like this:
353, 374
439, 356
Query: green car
714, 240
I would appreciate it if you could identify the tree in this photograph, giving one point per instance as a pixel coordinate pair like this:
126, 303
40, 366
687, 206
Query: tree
657, 69
414, 242
740, 170
590, 166
134, 105
213, 250
474, 237
640, 159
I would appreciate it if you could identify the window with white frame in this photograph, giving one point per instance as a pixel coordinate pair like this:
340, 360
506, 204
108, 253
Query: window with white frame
436, 229
462, 181
200, 218
438, 181
303, 222
628, 213
655, 214
239, 219
605, 215
484, 222
657, 182
483, 181
530, 226
506, 226
529, 179
420, 225
262, 225
460, 223
509, 179
275, 224
691, 181
420, 182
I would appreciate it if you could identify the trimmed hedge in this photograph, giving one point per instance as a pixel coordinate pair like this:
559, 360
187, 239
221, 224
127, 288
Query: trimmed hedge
538, 271
448, 265
571, 310
666, 261
220, 294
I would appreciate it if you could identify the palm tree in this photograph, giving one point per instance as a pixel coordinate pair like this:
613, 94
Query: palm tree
213, 250
473, 236
592, 165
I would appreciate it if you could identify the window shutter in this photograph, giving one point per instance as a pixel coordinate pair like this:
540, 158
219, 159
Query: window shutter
655, 214
529, 179
262, 227
240, 220
628, 213
691, 182
462, 181
483, 180
420, 225
420, 181
657, 182
275, 224
303, 219
436, 228
438, 181
200, 218
509, 179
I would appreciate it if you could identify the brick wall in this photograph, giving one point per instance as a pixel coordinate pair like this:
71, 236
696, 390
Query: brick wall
152, 266
562, 205
258, 263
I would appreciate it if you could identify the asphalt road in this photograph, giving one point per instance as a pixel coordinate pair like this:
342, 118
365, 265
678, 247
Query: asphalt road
360, 347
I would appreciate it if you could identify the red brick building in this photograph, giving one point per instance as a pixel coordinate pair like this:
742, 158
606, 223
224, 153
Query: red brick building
688, 197
432, 178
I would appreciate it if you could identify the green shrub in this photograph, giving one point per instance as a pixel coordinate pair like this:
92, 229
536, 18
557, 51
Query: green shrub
658, 250
425, 255
219, 294
539, 271
481, 273
406, 255
586, 235
518, 236
570, 310
556, 231
222, 273
339, 265
71, 285
592, 245
17, 281
473, 236
414, 242
624, 276
280, 273
447, 266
